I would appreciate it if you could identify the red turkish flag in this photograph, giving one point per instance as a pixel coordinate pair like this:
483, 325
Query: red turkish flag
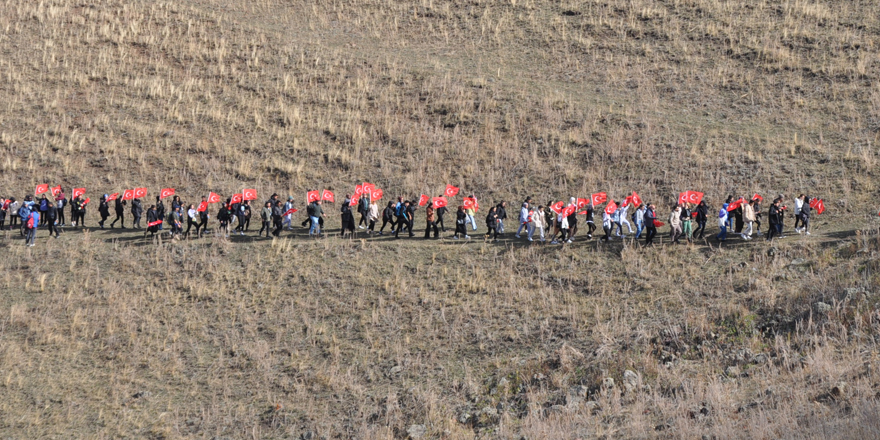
166, 192
557, 207
610, 207
569, 210
376, 195
627, 201
451, 191
353, 202
289, 211
249, 194
636, 200
56, 190
598, 198
368, 188
213, 198
203, 206
78, 192
155, 223
112, 197
734, 205
128, 194
582, 203
423, 200
757, 197
658, 223
358, 190
820, 207
439, 202
583, 213
695, 197
236, 198
683, 197
312, 196
41, 189
813, 203
86, 201
328, 196
140, 193
469, 203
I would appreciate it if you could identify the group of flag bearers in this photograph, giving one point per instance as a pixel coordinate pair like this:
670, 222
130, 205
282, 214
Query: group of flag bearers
556, 221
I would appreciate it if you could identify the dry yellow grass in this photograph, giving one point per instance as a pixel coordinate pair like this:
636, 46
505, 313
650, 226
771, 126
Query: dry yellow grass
103, 335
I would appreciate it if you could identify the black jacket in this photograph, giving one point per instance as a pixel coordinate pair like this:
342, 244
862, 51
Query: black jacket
137, 209
501, 212
120, 206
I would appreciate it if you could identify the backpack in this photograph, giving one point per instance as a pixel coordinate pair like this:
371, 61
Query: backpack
31, 223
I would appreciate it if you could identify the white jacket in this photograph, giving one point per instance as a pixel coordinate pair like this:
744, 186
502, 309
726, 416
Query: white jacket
798, 205
523, 214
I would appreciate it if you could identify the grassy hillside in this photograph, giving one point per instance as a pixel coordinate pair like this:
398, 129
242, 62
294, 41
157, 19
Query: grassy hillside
103, 334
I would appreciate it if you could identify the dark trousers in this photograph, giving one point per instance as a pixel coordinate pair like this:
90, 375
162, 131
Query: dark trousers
591, 227
652, 231
42, 218
103, 219
798, 219
701, 228
120, 217
61, 218
372, 225
493, 231
772, 231
52, 227
265, 226
189, 224
137, 222
202, 226
363, 220
278, 226
459, 229
240, 225
400, 224
385, 222
428, 227
440, 222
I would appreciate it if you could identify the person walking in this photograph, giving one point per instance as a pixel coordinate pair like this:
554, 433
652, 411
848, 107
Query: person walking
364, 211
246, 207
405, 220
176, 222
347, 219
31, 224
538, 221
266, 218
160, 212
52, 219
152, 219
13, 208
572, 220
373, 216
590, 221
441, 211
615, 222
202, 227
492, 224
686, 222
650, 224
562, 219
460, 221
387, 217
430, 222
722, 222
80, 206
623, 219
277, 213
315, 213
798, 206
501, 212
119, 208
640, 220
749, 219
60, 204
675, 224
223, 216
805, 216
738, 222
4, 211
43, 207
523, 219
103, 211
288, 219
701, 218
192, 219
773, 216
137, 211
74, 213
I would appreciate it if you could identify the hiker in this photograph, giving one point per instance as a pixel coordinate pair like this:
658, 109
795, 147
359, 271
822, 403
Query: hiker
160, 213
24, 213
374, 217
347, 219
43, 207
686, 219
277, 212
572, 220
650, 224
315, 213
288, 219
591, 223
492, 223
773, 216
175, 220
749, 219
387, 217
405, 219
538, 221
246, 210
722, 222
103, 211
13, 208
73, 211
137, 211
152, 217
265, 218
202, 227
615, 222
51, 219
639, 217
805, 217
223, 216
80, 211
460, 220
623, 219
364, 210
120, 213
523, 220
798, 206
562, 221
701, 218
738, 222
430, 221
396, 224
60, 203
440, 212
501, 212
758, 215
192, 219
4, 210
31, 223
